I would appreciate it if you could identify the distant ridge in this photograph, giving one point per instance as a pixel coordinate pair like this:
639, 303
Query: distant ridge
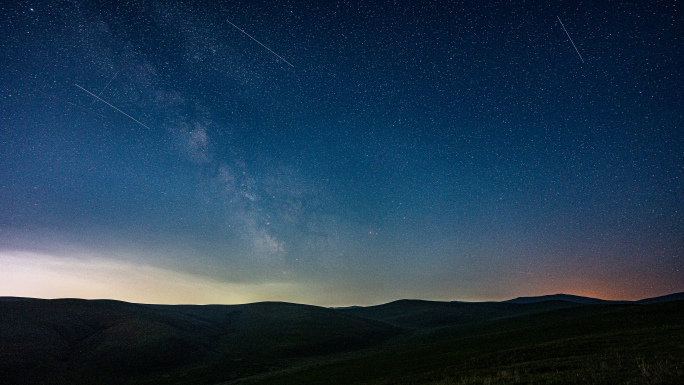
576, 299
588, 300
14, 299
663, 298
562, 297
421, 314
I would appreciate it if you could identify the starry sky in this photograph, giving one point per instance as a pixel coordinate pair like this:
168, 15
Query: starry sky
341, 152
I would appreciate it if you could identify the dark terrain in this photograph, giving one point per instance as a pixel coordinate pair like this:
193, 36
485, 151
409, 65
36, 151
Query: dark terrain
550, 339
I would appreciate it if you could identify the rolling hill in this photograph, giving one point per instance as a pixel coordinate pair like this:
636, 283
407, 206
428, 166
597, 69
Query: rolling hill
562, 297
74, 341
591, 344
79, 341
417, 314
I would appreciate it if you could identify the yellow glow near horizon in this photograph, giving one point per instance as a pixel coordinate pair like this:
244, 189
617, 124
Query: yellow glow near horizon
90, 275
29, 274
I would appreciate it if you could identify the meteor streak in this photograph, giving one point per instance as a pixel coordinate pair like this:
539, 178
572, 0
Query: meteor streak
107, 103
250, 36
573, 43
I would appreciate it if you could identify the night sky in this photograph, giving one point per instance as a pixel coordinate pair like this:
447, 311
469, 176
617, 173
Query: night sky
341, 152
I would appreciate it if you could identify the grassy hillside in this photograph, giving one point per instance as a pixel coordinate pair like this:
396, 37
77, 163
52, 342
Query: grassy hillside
597, 344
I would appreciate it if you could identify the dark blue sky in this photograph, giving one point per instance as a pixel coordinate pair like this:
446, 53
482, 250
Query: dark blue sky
437, 150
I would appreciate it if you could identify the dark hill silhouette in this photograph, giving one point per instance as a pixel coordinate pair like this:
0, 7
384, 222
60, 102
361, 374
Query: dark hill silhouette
417, 314
584, 344
664, 298
562, 297
12, 299
75, 341
589, 300
81, 341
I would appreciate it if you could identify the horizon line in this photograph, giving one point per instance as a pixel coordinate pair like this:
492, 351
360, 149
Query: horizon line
16, 298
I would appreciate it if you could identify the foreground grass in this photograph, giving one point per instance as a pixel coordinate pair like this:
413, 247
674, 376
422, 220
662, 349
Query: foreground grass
613, 344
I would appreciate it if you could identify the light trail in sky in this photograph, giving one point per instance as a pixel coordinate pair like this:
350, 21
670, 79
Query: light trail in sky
573, 43
250, 36
107, 103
